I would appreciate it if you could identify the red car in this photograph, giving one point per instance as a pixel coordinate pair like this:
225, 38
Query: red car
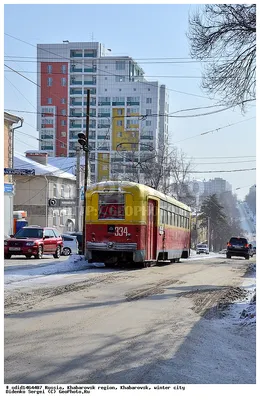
34, 241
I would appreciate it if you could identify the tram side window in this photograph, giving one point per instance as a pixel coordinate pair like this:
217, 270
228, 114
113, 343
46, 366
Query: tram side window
111, 206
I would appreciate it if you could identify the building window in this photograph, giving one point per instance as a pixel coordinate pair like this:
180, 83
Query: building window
120, 65
55, 218
49, 69
119, 134
49, 82
148, 123
63, 111
49, 100
119, 112
119, 123
148, 100
63, 69
62, 191
120, 78
63, 100
63, 122
63, 145
55, 192
63, 134
148, 111
63, 81
63, 214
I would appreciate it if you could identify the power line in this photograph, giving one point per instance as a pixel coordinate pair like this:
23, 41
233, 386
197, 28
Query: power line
211, 131
66, 58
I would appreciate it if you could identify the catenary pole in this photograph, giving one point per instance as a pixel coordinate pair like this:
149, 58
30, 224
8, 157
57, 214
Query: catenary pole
86, 149
78, 189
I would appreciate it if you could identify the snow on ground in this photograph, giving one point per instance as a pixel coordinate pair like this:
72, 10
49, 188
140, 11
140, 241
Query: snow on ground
48, 272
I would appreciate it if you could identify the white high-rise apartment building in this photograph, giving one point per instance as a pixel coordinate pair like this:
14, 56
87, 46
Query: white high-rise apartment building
128, 114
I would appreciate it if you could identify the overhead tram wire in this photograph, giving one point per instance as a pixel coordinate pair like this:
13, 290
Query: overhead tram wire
141, 116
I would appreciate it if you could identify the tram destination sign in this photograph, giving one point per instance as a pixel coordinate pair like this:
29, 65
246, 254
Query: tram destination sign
16, 171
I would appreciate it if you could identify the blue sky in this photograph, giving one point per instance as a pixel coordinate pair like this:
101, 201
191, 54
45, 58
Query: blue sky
146, 33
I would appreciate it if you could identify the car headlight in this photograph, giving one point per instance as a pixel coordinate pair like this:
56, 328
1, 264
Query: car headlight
29, 243
5, 243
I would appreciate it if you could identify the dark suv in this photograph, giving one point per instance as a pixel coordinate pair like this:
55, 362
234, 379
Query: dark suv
34, 241
238, 246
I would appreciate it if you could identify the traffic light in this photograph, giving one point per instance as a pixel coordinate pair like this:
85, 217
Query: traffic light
82, 139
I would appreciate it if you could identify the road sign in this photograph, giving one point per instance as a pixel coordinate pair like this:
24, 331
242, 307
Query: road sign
16, 171
8, 188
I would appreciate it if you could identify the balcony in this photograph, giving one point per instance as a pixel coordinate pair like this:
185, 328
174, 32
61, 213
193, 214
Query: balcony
93, 70
133, 103
74, 82
105, 115
118, 103
75, 126
74, 54
76, 114
104, 137
90, 82
90, 54
92, 102
104, 125
72, 70
75, 91
75, 103
104, 103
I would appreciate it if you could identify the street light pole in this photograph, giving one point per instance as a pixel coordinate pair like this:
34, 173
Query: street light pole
209, 233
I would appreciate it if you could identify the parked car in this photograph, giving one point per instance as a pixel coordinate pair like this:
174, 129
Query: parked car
253, 249
79, 236
238, 246
34, 241
202, 248
70, 245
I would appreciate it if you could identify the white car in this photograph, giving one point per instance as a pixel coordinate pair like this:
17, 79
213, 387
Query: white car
202, 248
70, 245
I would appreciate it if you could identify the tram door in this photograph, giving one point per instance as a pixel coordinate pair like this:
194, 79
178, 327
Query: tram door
151, 231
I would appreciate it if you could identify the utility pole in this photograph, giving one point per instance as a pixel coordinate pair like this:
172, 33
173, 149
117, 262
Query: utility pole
83, 141
78, 190
209, 233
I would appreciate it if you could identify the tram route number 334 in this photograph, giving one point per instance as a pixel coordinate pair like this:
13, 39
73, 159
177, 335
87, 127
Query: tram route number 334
121, 231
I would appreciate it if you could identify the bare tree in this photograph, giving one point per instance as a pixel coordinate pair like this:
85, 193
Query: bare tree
180, 170
225, 34
168, 173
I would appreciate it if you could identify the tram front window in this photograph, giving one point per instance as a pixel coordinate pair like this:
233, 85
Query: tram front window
111, 206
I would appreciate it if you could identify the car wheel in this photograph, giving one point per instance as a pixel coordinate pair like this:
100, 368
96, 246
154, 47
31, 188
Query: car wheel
247, 257
28, 255
39, 253
7, 256
228, 255
66, 251
57, 253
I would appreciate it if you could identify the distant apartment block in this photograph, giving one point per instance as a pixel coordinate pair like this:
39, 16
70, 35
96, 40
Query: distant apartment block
203, 188
128, 114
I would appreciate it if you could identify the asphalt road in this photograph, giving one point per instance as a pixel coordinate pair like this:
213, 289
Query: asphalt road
132, 326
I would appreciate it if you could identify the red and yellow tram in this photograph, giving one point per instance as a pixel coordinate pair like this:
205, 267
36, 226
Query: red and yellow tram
130, 223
